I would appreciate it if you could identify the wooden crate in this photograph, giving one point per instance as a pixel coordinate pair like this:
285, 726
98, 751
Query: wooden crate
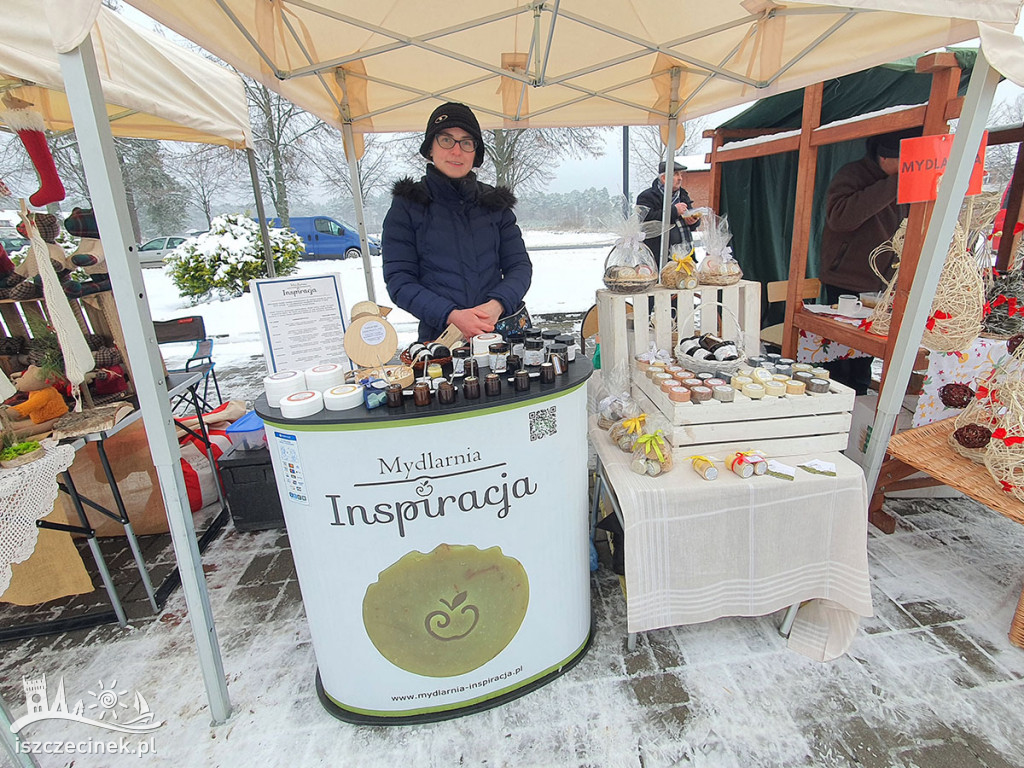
665, 315
779, 426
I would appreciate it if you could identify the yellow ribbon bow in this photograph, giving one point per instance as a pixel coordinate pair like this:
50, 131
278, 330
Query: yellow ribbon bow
635, 425
684, 263
653, 441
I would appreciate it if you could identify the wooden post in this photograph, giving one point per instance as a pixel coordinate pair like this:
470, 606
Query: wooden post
715, 183
1008, 242
806, 171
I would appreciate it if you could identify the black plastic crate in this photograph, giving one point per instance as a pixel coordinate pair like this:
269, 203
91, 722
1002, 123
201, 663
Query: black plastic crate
251, 490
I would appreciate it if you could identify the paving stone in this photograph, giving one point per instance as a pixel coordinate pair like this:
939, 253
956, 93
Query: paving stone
866, 744
659, 689
255, 573
928, 613
990, 758
947, 755
979, 662
282, 569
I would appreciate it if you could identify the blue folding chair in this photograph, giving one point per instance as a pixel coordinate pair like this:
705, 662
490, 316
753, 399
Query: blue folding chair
192, 328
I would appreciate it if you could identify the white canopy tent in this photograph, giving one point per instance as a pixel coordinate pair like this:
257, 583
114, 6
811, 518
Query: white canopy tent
143, 87
384, 66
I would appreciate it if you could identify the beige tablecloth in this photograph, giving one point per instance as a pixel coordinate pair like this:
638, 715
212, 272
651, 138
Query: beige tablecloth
697, 550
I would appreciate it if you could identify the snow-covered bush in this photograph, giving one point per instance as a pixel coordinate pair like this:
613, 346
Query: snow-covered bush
227, 257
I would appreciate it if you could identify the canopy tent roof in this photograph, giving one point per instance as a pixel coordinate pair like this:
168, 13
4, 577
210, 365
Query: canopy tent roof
149, 83
385, 65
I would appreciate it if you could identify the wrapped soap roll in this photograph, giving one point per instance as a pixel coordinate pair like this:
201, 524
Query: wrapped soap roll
702, 466
761, 375
803, 376
694, 382
679, 394
724, 393
667, 385
345, 396
774, 388
715, 382
738, 382
802, 367
772, 357
660, 377
795, 387
298, 405
321, 377
755, 361
755, 459
684, 374
785, 361
744, 370
780, 377
820, 373
700, 394
753, 390
740, 464
642, 364
786, 370
281, 384
704, 376
817, 386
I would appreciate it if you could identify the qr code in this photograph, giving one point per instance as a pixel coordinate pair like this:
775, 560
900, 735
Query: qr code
543, 423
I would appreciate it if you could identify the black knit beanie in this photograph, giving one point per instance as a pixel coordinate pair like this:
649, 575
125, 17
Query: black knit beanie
453, 115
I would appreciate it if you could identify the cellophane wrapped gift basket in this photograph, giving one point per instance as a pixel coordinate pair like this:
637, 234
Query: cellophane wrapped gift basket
718, 267
630, 266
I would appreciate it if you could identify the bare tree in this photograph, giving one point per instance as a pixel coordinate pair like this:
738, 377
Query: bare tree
207, 172
375, 167
281, 132
646, 149
525, 158
1000, 159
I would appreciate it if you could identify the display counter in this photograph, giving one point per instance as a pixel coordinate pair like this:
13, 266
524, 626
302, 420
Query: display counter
442, 550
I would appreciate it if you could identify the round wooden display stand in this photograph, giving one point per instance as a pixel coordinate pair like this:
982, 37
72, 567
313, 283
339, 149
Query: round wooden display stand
370, 342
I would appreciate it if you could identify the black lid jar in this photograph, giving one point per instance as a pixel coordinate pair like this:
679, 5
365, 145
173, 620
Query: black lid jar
534, 352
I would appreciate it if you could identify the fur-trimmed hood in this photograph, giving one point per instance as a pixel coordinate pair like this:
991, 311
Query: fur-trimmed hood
492, 198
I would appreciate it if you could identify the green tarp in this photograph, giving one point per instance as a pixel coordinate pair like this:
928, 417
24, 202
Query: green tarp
759, 194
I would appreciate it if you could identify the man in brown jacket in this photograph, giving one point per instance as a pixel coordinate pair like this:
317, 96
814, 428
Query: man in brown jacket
861, 213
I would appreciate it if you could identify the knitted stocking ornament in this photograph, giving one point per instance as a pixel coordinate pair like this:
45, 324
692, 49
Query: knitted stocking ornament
29, 127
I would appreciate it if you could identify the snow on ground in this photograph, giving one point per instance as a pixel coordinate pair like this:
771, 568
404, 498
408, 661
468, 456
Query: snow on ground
564, 280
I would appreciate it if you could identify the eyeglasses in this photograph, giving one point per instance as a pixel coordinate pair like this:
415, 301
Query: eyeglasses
447, 142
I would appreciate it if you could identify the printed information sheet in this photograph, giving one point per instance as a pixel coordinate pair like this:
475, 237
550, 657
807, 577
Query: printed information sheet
302, 321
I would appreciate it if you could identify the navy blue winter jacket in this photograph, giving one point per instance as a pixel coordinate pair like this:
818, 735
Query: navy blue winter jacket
452, 244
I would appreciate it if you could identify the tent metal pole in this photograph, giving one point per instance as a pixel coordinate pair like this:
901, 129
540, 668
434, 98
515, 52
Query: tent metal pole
357, 201
103, 174
626, 205
11, 741
268, 252
952, 188
670, 170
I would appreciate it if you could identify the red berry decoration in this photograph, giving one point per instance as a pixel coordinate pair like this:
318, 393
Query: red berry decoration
955, 395
1013, 342
973, 436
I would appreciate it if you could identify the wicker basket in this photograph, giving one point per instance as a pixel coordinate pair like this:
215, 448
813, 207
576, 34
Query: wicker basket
722, 368
25, 458
714, 279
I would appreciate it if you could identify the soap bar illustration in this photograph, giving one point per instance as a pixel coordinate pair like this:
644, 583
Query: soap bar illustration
447, 612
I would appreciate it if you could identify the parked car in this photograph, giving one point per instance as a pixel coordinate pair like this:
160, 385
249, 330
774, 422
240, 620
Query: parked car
153, 252
11, 240
326, 238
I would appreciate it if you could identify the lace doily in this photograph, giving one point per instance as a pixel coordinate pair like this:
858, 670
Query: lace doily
27, 494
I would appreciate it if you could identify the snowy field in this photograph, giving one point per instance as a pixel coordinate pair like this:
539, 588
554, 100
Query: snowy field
564, 280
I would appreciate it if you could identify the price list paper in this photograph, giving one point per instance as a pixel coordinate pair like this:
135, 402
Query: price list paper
302, 321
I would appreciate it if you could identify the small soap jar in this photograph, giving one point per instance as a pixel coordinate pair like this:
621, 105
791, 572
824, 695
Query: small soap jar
421, 393
558, 354
459, 357
570, 345
394, 395
547, 373
471, 367
515, 343
492, 385
445, 393
533, 354
548, 337
471, 388
497, 354
513, 363
522, 380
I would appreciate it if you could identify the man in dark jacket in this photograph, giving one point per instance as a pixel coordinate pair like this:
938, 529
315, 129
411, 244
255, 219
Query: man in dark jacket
653, 198
861, 213
452, 249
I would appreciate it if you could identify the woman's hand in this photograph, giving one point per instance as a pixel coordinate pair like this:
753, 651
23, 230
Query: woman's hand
476, 320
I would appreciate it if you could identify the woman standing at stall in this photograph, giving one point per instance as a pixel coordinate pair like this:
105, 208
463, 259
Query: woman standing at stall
452, 251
